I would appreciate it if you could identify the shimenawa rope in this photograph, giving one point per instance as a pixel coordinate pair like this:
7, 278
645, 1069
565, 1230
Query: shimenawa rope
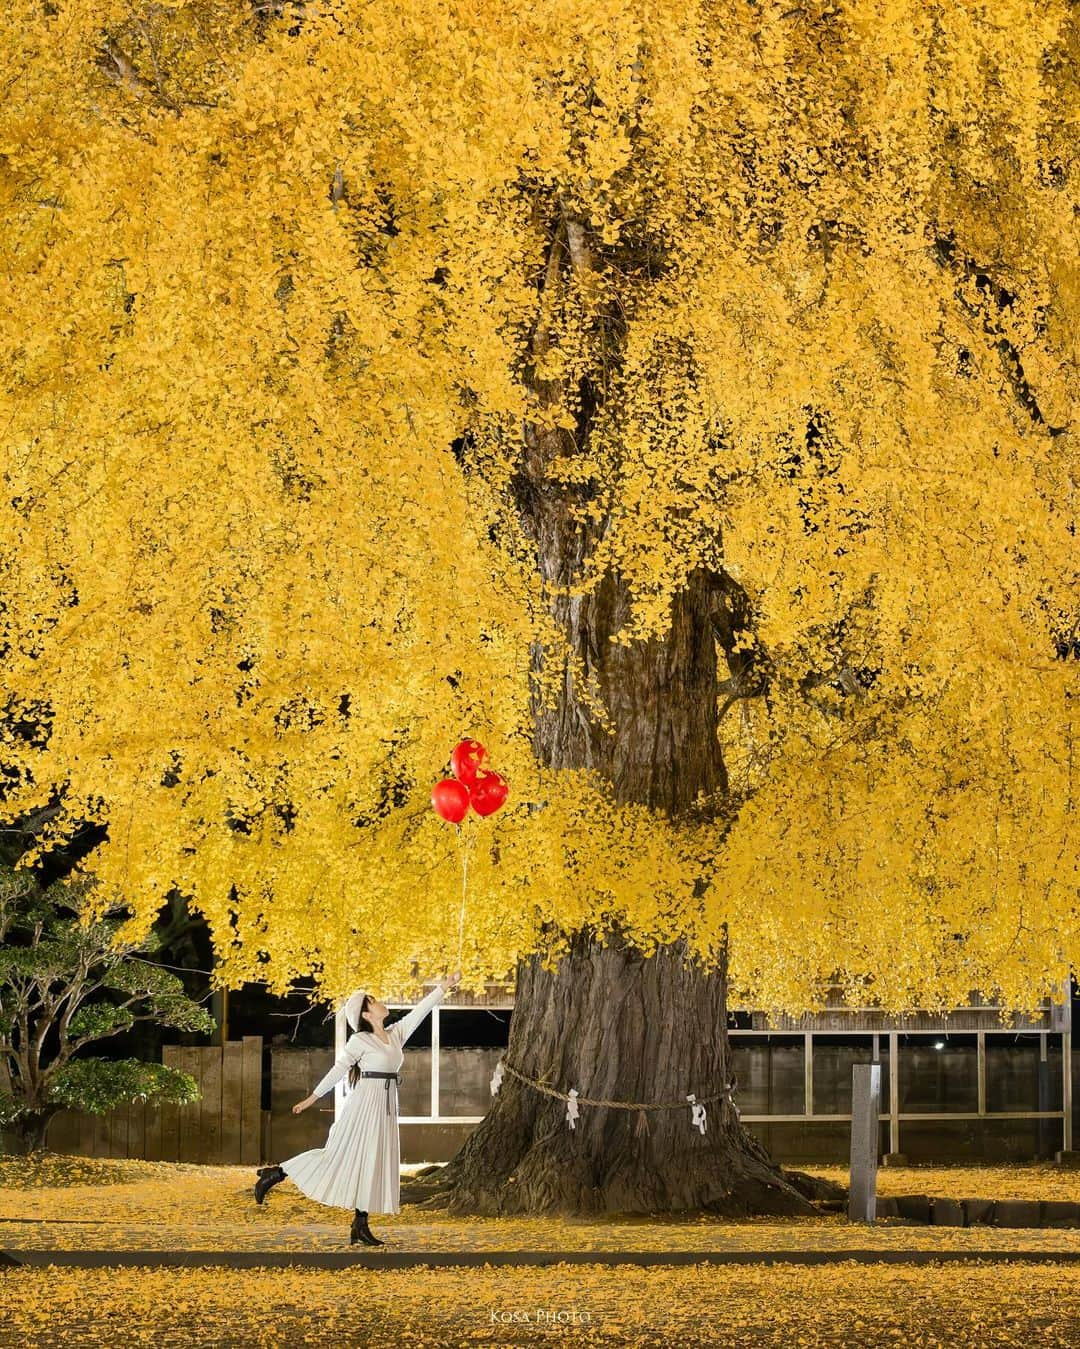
573, 1100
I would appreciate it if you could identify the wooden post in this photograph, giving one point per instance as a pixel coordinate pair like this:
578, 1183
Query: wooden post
435, 1039
808, 1073
251, 1142
189, 1060
210, 1067
865, 1107
116, 1132
232, 1085
170, 1112
136, 1138
1061, 1021
895, 1156
980, 1069
152, 1133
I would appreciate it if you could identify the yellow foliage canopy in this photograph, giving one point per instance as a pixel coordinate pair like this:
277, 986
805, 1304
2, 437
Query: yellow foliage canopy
273, 273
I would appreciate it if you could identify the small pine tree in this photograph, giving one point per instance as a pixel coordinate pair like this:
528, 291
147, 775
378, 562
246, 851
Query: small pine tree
67, 983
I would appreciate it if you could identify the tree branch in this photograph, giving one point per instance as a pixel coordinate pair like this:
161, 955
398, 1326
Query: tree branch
946, 254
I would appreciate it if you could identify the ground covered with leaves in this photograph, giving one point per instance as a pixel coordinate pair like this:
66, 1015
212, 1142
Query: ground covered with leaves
80, 1203
847, 1304
65, 1203
1027, 1181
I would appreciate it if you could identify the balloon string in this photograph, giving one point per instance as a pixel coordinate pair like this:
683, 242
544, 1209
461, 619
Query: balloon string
464, 844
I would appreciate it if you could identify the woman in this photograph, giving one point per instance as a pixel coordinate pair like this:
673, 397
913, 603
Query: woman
359, 1166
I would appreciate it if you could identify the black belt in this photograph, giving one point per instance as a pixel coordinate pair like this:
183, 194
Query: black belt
388, 1077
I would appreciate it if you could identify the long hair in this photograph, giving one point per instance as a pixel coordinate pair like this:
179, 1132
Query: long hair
362, 1023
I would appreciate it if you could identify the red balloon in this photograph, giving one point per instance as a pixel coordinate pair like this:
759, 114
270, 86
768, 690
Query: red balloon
488, 792
466, 759
450, 799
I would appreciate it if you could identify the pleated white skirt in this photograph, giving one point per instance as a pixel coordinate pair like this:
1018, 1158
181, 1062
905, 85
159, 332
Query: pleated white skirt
359, 1168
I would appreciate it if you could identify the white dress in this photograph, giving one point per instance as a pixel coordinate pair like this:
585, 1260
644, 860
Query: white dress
359, 1166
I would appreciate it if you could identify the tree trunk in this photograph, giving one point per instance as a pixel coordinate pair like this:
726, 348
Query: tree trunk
616, 1026
32, 1129
661, 697
609, 1022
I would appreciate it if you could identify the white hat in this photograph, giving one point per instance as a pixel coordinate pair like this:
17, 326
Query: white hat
353, 1006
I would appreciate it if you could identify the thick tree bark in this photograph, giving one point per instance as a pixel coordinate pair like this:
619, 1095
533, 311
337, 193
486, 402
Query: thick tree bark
608, 1022
661, 696
615, 1026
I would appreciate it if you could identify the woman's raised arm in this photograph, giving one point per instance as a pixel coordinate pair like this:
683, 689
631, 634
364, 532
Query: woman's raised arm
403, 1029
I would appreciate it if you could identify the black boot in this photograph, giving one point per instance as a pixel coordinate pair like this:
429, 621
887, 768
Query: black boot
269, 1176
361, 1232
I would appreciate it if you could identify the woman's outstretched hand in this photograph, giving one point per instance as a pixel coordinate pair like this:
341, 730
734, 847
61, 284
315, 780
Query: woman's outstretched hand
448, 981
301, 1106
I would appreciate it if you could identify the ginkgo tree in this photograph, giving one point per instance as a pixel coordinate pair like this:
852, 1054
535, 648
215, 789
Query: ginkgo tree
678, 398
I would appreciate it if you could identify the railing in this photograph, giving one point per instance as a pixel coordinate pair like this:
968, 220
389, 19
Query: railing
896, 1116
982, 1021
228, 1124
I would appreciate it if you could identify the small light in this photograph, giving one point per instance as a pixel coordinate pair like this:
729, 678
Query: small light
940, 1044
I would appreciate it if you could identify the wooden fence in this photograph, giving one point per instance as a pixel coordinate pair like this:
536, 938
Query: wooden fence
225, 1126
